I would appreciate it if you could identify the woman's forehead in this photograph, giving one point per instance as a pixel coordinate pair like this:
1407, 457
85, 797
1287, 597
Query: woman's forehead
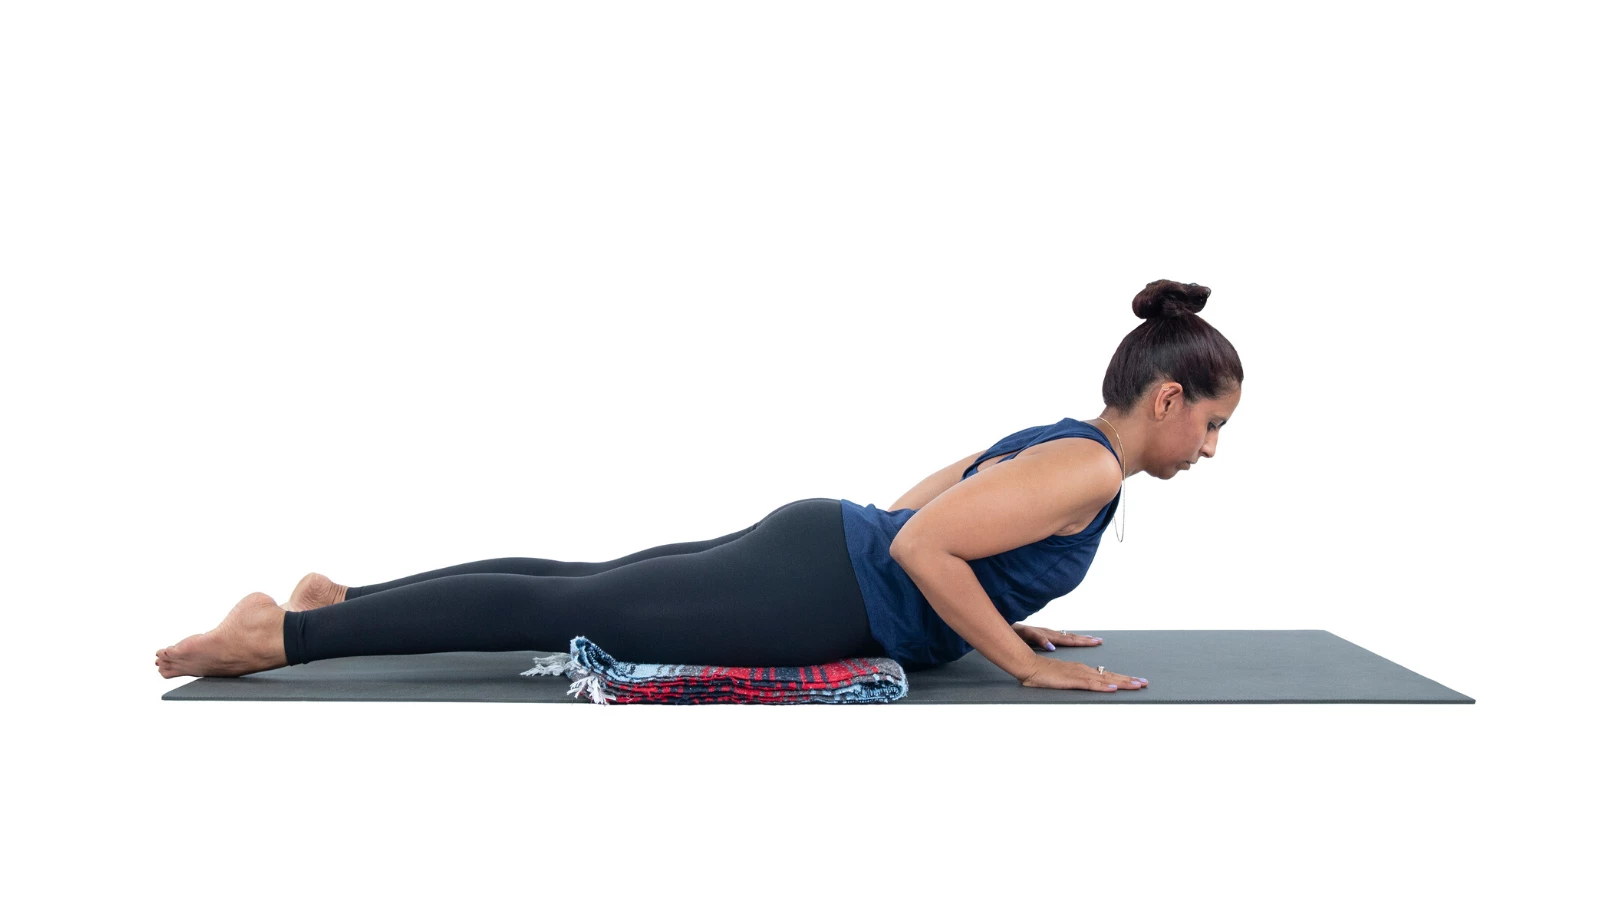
1224, 405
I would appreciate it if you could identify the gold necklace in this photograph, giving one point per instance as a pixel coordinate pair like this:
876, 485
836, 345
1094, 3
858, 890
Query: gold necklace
1122, 457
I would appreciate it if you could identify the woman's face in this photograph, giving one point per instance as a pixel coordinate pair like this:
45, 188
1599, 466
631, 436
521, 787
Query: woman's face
1189, 432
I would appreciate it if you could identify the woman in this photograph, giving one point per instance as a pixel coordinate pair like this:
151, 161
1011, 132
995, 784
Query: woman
953, 566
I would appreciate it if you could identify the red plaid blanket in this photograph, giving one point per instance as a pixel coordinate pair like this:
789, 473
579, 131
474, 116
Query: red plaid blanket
593, 671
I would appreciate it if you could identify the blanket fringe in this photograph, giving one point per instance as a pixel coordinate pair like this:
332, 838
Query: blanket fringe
583, 680
554, 664
593, 685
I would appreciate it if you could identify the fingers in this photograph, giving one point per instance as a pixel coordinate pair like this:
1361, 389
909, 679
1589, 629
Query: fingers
1050, 639
1063, 675
1121, 682
1039, 638
1096, 680
1108, 683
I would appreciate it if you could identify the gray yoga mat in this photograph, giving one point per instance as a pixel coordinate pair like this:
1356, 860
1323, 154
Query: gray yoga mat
1183, 667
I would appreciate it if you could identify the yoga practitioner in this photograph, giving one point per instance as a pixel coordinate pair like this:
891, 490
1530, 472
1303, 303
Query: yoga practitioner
952, 566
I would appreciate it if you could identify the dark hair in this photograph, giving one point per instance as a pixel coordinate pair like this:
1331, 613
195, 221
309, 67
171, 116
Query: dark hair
1173, 344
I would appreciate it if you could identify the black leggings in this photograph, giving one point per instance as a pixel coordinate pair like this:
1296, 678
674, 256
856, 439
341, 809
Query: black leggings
778, 593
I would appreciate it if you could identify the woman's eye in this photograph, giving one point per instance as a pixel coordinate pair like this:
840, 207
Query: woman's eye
1211, 426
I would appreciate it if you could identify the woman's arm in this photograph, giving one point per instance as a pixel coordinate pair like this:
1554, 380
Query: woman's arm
934, 485
954, 592
1009, 506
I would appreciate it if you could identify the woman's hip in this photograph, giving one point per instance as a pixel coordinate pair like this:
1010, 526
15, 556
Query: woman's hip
784, 593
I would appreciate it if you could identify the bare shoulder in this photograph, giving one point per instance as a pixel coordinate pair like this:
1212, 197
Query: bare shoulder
1086, 459
1055, 487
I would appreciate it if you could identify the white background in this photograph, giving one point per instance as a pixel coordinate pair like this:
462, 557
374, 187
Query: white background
371, 289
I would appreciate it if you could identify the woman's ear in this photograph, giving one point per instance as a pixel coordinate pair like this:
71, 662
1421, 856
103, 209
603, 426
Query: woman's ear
1168, 397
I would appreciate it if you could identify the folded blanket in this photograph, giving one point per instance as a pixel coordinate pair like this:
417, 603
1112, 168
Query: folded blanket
875, 679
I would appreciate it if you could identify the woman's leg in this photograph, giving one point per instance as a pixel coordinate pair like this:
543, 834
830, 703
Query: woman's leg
529, 565
781, 592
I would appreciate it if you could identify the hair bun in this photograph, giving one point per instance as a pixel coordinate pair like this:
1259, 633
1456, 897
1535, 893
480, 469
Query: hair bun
1165, 299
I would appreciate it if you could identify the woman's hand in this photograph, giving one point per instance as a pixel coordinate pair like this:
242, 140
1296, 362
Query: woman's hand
1070, 676
1050, 638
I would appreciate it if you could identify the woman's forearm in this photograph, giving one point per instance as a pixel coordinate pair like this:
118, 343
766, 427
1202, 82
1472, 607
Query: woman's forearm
956, 595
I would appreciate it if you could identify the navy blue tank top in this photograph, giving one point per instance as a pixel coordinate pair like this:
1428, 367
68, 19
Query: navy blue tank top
1019, 581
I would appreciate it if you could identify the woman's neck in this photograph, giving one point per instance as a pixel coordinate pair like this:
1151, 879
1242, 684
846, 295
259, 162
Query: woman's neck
1124, 433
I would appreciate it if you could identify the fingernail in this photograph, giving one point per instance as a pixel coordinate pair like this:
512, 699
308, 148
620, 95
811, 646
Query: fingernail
1049, 646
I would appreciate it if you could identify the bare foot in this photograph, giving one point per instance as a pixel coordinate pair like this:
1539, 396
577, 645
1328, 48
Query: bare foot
250, 639
313, 591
